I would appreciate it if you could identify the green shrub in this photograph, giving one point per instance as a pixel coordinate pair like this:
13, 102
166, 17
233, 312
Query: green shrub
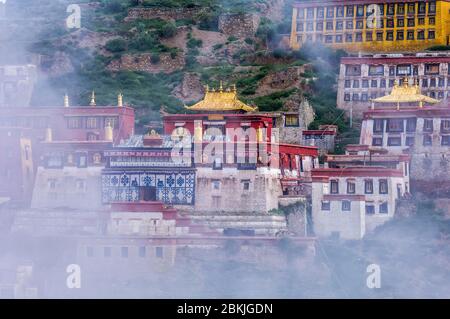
194, 43
155, 58
144, 42
116, 45
168, 30
249, 41
232, 38
218, 46
113, 6
439, 48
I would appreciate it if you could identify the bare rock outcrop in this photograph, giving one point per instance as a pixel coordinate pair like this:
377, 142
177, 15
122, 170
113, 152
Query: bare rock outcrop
190, 89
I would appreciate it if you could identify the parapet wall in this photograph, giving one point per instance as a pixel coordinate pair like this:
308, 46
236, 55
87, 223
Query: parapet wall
162, 13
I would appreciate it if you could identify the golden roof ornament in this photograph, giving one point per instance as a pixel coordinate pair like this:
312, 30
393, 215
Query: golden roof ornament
221, 101
92, 99
405, 93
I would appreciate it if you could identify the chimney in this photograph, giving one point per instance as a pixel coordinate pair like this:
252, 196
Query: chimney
48, 135
109, 134
120, 100
93, 99
66, 100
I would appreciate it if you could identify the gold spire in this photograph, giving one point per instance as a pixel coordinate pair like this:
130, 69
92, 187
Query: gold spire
120, 100
221, 100
221, 87
66, 100
92, 99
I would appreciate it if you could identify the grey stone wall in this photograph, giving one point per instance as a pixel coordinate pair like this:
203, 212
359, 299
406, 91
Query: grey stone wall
238, 25
162, 13
231, 197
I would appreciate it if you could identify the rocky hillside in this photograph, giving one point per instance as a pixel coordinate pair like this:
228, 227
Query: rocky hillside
161, 53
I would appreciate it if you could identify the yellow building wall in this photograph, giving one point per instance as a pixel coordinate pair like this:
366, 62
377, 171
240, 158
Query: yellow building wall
441, 27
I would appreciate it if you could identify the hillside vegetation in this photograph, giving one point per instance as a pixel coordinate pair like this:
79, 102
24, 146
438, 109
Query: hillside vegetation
147, 59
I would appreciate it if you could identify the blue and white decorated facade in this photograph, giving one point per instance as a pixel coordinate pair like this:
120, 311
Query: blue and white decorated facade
136, 174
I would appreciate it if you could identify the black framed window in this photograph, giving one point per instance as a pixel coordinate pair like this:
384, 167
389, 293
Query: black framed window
431, 35
384, 208
334, 187
427, 140
394, 141
370, 209
428, 125
379, 36
432, 7
421, 35
326, 205
445, 126
350, 11
395, 125
411, 125
383, 186
351, 187
368, 186
346, 206
445, 140
410, 140
377, 141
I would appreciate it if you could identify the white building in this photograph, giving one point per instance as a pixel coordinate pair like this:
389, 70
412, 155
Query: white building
349, 202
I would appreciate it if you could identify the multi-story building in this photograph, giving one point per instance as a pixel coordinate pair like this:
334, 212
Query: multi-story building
371, 25
324, 138
71, 123
16, 84
59, 137
365, 155
362, 79
16, 164
348, 202
423, 131
143, 168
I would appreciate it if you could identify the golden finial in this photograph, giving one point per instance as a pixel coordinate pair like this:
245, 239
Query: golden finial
93, 99
221, 87
120, 100
234, 87
206, 88
66, 100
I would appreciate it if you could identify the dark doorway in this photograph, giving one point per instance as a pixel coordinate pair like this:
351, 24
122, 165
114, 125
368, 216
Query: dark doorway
149, 193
